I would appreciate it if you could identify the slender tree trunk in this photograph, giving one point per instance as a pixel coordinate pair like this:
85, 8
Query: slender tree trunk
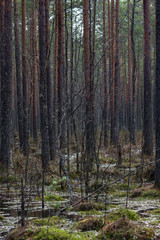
110, 56
18, 73
117, 79
133, 75
129, 74
86, 46
138, 95
35, 84
1, 47
43, 85
24, 77
6, 83
112, 70
55, 74
49, 85
157, 157
105, 76
148, 126
61, 68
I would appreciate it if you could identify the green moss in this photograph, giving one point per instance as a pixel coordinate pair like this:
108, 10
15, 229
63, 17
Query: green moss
11, 179
1, 218
53, 197
57, 234
119, 194
52, 221
155, 212
151, 194
119, 213
59, 189
50, 197
124, 186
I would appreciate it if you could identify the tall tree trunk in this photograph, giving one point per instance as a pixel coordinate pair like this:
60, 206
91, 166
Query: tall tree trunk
55, 73
112, 70
129, 73
1, 46
105, 76
157, 157
148, 126
117, 79
43, 85
138, 95
18, 74
49, 85
86, 46
133, 75
6, 83
110, 57
24, 77
61, 55
34, 71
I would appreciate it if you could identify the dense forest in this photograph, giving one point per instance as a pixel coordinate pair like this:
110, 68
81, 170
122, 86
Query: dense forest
80, 119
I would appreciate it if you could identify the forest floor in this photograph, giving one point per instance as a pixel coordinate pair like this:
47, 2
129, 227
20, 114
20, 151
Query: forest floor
126, 207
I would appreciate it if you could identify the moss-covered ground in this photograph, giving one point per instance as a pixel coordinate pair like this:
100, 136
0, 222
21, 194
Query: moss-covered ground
125, 208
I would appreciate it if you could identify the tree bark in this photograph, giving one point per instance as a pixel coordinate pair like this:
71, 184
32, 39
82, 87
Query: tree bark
43, 85
1, 45
157, 157
61, 68
24, 78
105, 76
18, 74
34, 71
6, 83
148, 126
129, 74
132, 132
49, 85
117, 79
112, 70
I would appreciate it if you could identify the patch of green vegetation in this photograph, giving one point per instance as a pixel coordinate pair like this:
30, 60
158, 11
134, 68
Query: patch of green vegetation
112, 206
56, 206
154, 223
11, 179
119, 213
119, 194
1, 218
151, 194
142, 193
154, 212
50, 197
48, 222
58, 234
53, 197
124, 186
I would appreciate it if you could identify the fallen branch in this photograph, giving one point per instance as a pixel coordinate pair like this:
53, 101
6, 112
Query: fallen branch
107, 185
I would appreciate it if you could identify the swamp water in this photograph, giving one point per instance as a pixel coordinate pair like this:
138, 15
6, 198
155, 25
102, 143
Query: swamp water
10, 209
